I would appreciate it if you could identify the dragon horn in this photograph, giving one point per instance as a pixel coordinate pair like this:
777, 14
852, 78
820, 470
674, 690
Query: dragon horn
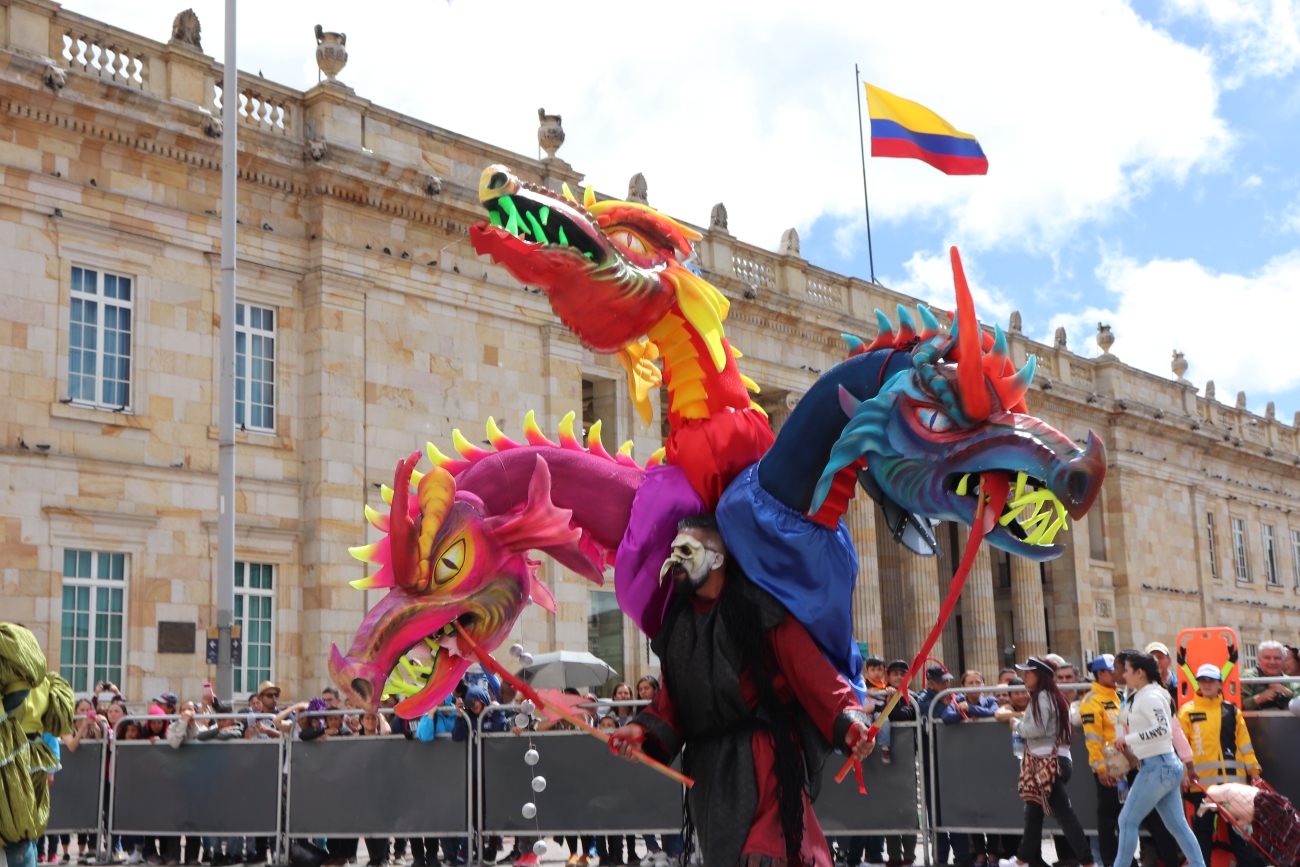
1011, 389
970, 369
906, 327
568, 193
401, 529
885, 337
857, 345
929, 325
848, 402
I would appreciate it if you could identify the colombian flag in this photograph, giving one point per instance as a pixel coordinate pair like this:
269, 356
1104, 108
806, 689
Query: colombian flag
902, 128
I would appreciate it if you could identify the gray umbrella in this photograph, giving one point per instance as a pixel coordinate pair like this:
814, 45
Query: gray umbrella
566, 668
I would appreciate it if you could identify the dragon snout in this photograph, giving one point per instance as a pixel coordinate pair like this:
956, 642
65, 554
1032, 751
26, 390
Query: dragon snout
497, 181
359, 681
1077, 482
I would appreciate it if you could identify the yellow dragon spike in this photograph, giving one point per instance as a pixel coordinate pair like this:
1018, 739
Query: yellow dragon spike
750, 384
534, 434
378, 520
386, 493
588, 197
656, 459
465, 448
366, 553
626, 449
567, 438
437, 458
567, 193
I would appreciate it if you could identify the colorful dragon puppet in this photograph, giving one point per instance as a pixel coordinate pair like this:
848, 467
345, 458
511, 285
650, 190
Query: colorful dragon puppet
927, 422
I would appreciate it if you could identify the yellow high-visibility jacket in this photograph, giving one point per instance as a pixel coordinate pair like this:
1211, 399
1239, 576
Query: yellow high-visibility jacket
1097, 711
1202, 722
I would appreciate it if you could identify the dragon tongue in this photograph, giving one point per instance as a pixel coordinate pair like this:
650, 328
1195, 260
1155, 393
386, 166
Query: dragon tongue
995, 486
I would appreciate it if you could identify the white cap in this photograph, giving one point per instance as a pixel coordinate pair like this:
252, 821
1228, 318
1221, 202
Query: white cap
1209, 670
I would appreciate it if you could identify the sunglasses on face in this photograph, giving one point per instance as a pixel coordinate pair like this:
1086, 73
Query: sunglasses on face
271, 694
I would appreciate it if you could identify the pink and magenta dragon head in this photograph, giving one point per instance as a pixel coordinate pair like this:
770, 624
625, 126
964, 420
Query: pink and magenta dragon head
455, 550
954, 421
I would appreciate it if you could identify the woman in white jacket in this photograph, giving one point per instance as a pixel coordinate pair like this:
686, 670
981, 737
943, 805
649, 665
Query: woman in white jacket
1147, 719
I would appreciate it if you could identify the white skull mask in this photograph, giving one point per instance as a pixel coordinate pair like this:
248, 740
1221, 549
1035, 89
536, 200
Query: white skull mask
690, 555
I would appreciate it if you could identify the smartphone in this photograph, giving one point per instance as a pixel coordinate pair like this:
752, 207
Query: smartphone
90, 714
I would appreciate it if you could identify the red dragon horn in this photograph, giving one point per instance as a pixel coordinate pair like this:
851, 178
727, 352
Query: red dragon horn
970, 368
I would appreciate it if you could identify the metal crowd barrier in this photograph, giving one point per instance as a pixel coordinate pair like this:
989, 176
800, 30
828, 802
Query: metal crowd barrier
390, 785
77, 796
379, 786
220, 788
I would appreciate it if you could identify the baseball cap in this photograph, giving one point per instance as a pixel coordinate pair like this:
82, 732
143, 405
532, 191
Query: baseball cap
1157, 647
167, 698
1209, 670
1036, 665
1102, 662
938, 673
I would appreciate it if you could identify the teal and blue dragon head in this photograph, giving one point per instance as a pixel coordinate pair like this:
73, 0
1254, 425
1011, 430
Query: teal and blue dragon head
934, 418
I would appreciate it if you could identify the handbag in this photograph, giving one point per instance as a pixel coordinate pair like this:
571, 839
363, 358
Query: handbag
1118, 762
1037, 777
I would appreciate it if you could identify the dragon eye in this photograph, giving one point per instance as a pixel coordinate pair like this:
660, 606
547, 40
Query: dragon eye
934, 420
632, 242
450, 563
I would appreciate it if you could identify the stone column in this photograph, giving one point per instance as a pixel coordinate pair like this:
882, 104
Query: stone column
1027, 607
861, 521
978, 617
921, 600
889, 564
333, 409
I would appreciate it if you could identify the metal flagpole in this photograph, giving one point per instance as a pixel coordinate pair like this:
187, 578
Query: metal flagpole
862, 143
226, 443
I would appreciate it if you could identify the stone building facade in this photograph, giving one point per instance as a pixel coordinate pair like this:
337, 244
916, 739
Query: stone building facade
369, 327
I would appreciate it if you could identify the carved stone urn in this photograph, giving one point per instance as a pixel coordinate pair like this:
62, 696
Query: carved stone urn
550, 132
331, 52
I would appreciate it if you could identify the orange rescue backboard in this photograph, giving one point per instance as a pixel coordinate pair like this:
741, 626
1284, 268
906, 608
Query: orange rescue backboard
1215, 645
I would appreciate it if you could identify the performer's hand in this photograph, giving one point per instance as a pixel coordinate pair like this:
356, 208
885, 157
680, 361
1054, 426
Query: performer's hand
862, 745
1106, 779
628, 737
1121, 742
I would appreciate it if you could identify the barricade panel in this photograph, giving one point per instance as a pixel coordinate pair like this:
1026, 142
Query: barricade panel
75, 797
1275, 734
977, 773
588, 790
890, 805
218, 788
378, 786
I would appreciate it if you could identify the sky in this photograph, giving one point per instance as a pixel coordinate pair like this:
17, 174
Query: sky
1143, 162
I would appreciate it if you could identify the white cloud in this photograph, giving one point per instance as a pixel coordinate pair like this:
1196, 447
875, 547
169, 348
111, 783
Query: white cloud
1259, 37
1227, 324
1079, 107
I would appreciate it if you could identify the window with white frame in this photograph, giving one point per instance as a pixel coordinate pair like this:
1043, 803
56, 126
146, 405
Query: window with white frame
255, 367
99, 339
1251, 651
1295, 556
94, 618
1270, 555
1239, 549
254, 603
1214, 554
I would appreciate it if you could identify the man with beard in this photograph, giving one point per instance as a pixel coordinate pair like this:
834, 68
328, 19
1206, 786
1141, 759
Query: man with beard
754, 704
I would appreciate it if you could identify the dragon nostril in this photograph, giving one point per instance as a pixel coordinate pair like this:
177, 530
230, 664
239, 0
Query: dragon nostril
1077, 486
362, 688
497, 181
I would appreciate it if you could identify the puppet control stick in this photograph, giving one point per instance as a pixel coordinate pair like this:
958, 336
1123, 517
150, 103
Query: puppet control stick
995, 487
523, 688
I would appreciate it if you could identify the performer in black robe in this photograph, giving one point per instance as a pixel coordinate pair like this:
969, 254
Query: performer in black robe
754, 704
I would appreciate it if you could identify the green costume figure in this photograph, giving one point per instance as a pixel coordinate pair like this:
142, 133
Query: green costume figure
37, 711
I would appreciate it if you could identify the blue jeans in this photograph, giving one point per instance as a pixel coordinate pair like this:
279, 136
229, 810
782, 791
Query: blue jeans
1157, 787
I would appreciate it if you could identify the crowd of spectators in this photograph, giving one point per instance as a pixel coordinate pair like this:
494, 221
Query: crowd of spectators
1205, 742
1100, 705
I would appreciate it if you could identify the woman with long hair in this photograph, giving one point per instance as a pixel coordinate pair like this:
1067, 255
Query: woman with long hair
1046, 766
1147, 722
